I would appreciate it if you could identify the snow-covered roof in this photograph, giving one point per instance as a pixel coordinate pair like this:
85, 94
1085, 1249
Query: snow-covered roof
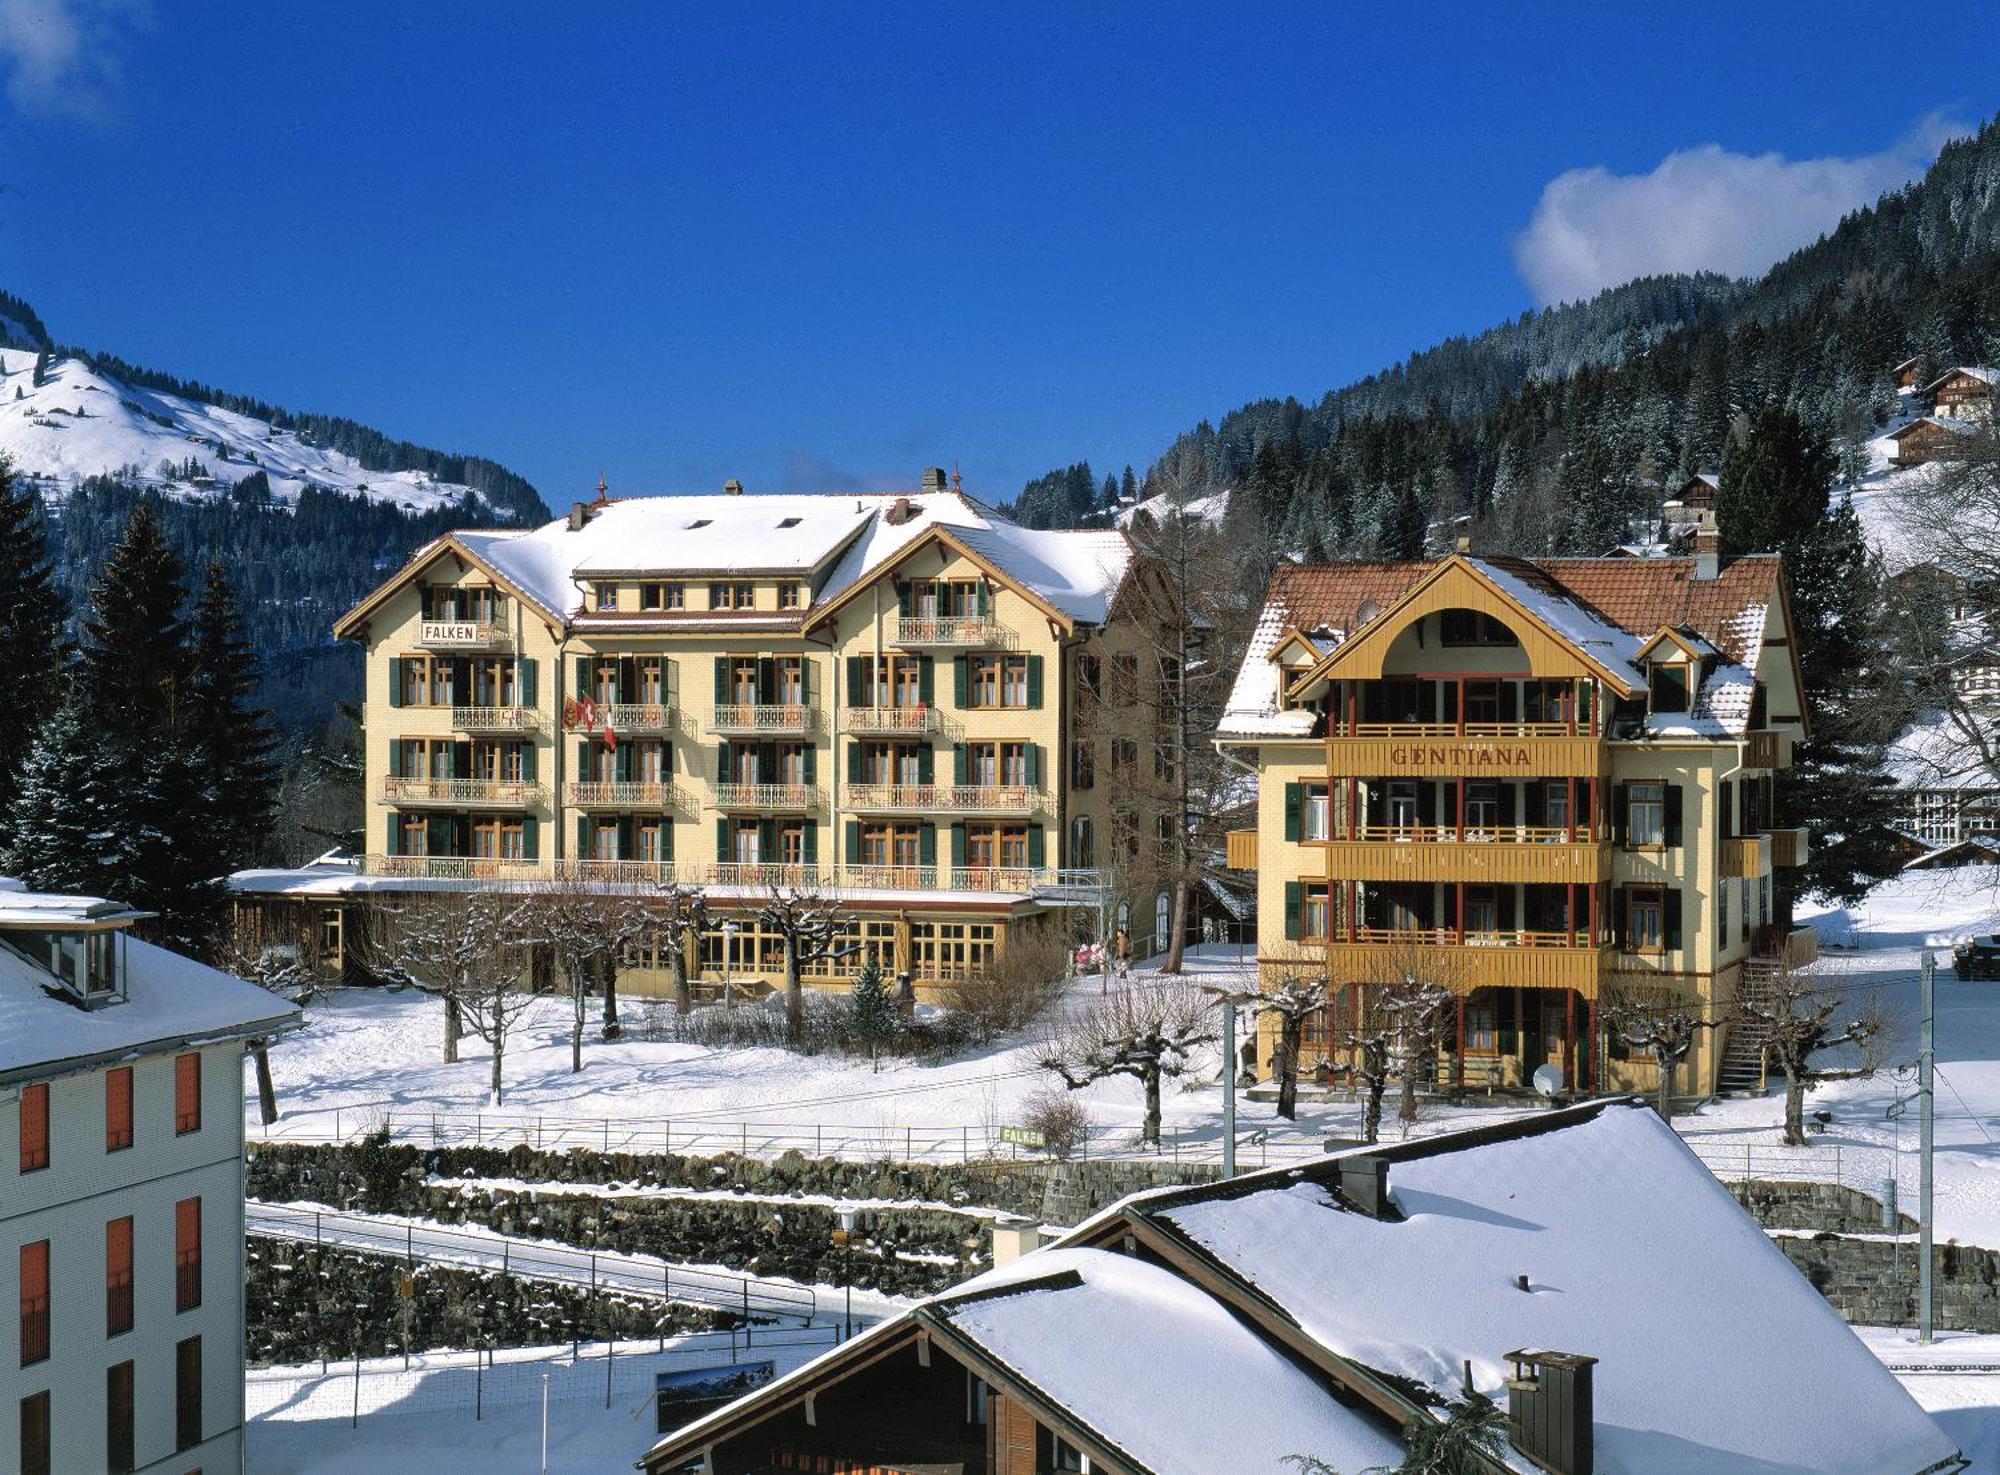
1615, 649
169, 1001
1155, 1368
1981, 372
1713, 1352
1946, 422
834, 539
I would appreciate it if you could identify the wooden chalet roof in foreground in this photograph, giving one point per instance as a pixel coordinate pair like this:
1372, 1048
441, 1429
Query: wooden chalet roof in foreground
1228, 1326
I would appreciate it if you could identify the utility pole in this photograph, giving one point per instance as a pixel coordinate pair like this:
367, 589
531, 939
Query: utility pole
1926, 1102
1228, 1088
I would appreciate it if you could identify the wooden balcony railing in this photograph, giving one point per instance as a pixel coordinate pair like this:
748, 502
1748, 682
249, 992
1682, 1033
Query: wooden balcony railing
1472, 834
496, 719
1743, 857
1514, 959
766, 796
1764, 750
1452, 937
1788, 848
772, 719
942, 798
462, 635
1457, 730
889, 721
512, 794
950, 630
1240, 853
1515, 854
623, 794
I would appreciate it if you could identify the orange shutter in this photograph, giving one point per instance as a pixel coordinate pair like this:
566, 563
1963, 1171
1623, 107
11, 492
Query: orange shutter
187, 1094
187, 1254
118, 1276
118, 1108
34, 1301
34, 1128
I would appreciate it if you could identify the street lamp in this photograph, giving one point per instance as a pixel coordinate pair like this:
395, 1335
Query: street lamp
844, 1236
729, 931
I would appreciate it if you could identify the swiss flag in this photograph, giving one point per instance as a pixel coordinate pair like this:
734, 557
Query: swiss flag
610, 737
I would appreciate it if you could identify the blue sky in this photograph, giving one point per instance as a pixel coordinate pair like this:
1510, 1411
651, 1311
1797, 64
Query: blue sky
820, 246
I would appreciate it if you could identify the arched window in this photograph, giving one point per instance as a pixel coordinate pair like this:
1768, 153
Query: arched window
1082, 843
1163, 912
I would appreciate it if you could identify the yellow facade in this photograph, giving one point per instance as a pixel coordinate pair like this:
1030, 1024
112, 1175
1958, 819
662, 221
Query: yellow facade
1506, 794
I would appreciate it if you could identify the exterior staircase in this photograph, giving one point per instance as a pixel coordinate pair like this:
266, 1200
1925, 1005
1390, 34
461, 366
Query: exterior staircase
1743, 1072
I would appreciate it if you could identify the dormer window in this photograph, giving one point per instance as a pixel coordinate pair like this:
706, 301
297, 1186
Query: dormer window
1668, 682
604, 597
89, 965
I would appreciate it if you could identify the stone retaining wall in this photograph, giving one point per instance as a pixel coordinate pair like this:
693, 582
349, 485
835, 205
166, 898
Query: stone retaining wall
304, 1304
1819, 1207
1873, 1282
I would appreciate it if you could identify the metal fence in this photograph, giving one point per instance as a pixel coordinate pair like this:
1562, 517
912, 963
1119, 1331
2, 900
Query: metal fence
631, 1275
1862, 1168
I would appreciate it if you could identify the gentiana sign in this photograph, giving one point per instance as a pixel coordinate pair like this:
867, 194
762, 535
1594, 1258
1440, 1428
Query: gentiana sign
1421, 756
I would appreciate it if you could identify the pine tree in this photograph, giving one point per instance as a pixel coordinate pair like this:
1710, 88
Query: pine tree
231, 739
1405, 531
1776, 485
135, 661
1128, 486
41, 369
31, 628
61, 830
872, 1016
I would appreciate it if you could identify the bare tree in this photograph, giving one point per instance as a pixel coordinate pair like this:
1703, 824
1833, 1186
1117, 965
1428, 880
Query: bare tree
1804, 1020
813, 930
463, 946
1290, 994
586, 928
681, 916
1665, 1026
279, 968
1148, 1031
493, 1002
1394, 1030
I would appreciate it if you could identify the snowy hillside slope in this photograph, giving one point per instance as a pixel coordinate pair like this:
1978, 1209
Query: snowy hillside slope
83, 422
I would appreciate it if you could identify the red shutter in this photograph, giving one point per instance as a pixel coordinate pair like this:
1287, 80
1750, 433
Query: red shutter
118, 1108
187, 1094
34, 1301
187, 1254
34, 1128
118, 1276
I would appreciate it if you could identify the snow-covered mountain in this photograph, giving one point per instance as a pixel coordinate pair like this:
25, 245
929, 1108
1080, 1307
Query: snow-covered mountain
80, 421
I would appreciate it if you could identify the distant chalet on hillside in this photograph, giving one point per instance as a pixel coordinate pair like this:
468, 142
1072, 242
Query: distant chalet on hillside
1962, 404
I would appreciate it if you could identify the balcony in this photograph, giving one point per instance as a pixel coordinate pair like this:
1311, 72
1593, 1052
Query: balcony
891, 721
1788, 848
451, 868
941, 798
1241, 851
624, 794
1743, 858
1767, 750
463, 635
1482, 960
496, 719
1050, 886
1530, 854
764, 720
1491, 750
459, 792
950, 630
639, 717
766, 796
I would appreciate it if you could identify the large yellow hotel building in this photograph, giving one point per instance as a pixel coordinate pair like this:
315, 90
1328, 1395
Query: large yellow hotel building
1532, 781
879, 697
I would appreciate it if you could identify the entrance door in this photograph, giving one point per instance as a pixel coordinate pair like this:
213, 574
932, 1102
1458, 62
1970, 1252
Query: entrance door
1550, 1011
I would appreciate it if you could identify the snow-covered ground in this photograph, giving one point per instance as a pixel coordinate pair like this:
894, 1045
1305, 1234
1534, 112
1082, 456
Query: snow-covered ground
81, 422
1956, 1380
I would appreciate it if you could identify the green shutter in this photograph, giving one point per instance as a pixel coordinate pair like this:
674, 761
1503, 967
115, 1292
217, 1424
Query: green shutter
625, 837
582, 676
1673, 823
525, 681
985, 599
1033, 765
722, 769
1295, 910
767, 679
767, 839
666, 839
721, 681
1670, 918
927, 846
958, 847
722, 840
854, 682
582, 837
461, 760
531, 838
1037, 847
1294, 811
854, 842
527, 763
926, 764
905, 597
960, 764
927, 681
958, 681
395, 681
1035, 682
854, 762
812, 763
622, 762
1619, 828
812, 843
805, 681
1618, 927
394, 845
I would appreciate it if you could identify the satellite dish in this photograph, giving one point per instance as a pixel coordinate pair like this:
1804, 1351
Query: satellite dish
1549, 1080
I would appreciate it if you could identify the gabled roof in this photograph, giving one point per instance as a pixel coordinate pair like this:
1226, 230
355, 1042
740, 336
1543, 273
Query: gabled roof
1946, 423
1633, 1252
1687, 643
1981, 372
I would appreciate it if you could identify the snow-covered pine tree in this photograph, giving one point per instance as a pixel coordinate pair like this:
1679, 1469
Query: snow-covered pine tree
62, 832
31, 628
872, 1016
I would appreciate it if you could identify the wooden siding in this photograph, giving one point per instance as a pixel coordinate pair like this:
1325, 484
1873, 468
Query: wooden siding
1463, 969
1788, 848
1417, 754
1395, 860
1242, 850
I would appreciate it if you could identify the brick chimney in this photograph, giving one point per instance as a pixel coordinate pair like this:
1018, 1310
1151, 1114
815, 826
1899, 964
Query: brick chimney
900, 511
934, 479
732, 488
1707, 549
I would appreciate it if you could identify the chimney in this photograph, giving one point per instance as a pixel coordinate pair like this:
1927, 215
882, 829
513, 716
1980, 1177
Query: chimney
1014, 1237
1364, 1184
1707, 549
732, 488
900, 511
579, 514
1550, 1417
934, 479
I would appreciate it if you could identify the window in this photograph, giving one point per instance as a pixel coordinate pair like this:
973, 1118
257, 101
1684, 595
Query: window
34, 1302
732, 596
120, 1448
34, 1128
1315, 813
1646, 814
1124, 680
662, 596
996, 681
1082, 764
1646, 929
118, 1276
1317, 918
788, 596
1056, 1455
1163, 912
1124, 755
187, 1094
1669, 687
187, 1394
1470, 627
35, 1434
187, 1254
1082, 843
604, 596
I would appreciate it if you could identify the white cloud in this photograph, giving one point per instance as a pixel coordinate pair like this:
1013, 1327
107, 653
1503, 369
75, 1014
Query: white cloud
67, 56
1702, 209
